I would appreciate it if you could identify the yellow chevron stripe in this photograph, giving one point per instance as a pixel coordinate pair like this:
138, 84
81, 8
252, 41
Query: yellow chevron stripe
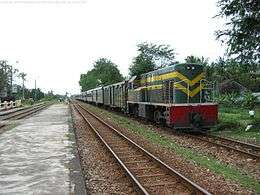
188, 92
172, 75
177, 86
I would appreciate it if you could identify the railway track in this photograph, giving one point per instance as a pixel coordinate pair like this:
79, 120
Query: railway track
148, 174
20, 114
4, 113
248, 149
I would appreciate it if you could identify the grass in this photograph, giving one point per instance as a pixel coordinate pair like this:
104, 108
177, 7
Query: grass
229, 172
233, 122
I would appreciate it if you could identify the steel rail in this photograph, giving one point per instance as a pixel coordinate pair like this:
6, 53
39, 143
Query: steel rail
214, 140
249, 145
2, 126
20, 114
128, 172
5, 113
252, 146
188, 183
23, 114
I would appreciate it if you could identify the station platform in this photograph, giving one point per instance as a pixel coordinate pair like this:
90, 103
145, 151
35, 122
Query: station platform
39, 156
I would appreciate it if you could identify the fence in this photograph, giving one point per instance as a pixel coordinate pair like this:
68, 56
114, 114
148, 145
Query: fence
8, 105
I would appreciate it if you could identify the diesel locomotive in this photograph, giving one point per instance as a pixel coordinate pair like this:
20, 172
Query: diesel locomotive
177, 95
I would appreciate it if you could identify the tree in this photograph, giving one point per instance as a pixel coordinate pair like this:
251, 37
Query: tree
6, 77
105, 72
242, 33
151, 57
88, 81
208, 68
3, 74
37, 94
23, 75
230, 69
193, 59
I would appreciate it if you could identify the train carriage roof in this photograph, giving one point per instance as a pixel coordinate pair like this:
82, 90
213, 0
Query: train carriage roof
115, 84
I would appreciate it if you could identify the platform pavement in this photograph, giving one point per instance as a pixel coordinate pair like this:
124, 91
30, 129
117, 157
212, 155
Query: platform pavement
39, 156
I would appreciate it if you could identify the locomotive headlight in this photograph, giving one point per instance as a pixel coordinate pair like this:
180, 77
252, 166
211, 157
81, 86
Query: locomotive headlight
188, 67
192, 67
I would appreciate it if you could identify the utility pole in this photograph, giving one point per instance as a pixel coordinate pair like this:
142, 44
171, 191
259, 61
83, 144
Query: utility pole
13, 72
22, 75
35, 92
11, 82
23, 88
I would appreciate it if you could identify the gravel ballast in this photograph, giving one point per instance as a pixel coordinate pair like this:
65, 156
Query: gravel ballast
102, 174
203, 176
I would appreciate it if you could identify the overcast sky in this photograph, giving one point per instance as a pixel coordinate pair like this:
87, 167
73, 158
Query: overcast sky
55, 43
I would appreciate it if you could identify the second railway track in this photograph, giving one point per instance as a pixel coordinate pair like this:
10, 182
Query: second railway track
21, 114
148, 174
248, 149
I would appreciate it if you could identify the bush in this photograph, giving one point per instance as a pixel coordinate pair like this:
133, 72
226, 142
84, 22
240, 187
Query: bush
247, 100
227, 125
227, 99
29, 101
256, 125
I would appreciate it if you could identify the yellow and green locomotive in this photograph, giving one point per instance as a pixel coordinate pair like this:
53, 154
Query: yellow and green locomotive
177, 95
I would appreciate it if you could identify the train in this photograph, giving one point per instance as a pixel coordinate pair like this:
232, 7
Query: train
178, 96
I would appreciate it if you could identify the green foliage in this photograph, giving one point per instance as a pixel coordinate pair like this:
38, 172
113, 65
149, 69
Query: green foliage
5, 76
105, 72
37, 94
88, 81
197, 60
141, 64
242, 33
151, 57
256, 125
226, 125
249, 100
233, 122
230, 69
22, 75
50, 96
28, 101
228, 100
